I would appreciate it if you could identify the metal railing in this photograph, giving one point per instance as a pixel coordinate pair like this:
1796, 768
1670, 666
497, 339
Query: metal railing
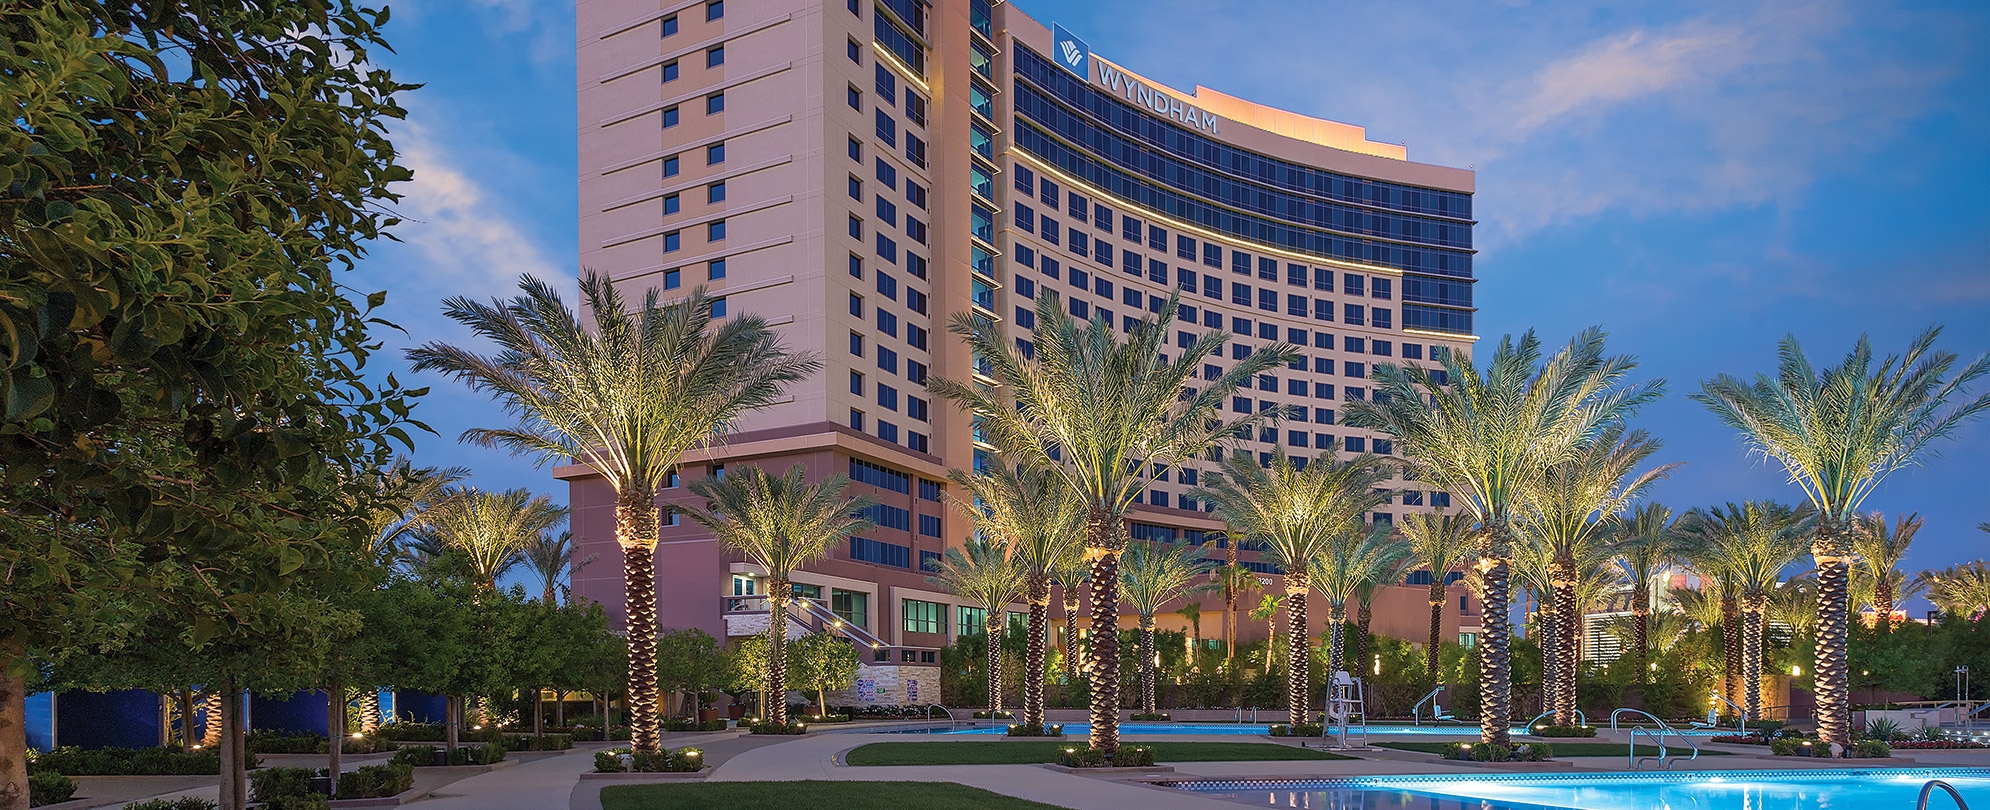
1657, 736
1928, 790
1436, 712
1740, 715
1580, 719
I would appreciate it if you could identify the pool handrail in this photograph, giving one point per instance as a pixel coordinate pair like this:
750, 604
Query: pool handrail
1928, 790
1436, 712
1657, 736
1740, 714
1580, 719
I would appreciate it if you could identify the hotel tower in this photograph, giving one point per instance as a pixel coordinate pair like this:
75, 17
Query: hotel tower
860, 172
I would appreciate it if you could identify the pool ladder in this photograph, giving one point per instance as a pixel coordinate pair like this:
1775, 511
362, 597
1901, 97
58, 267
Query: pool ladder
1664, 758
1928, 790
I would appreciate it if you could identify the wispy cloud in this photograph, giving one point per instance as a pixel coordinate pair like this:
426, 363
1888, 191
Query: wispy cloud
464, 237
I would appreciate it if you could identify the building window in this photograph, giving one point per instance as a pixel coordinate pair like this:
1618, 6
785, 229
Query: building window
714, 10
669, 117
716, 270
670, 25
715, 154
856, 150
671, 279
921, 616
856, 419
853, 97
672, 241
671, 205
718, 307
853, 606
715, 57
970, 621
670, 71
857, 344
854, 51
715, 231
670, 166
715, 193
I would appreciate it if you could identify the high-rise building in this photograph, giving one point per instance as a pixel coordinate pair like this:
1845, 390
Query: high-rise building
862, 171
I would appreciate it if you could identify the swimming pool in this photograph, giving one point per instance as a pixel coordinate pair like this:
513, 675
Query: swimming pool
1703, 790
1244, 729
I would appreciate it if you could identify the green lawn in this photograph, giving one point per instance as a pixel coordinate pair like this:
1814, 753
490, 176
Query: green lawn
1561, 749
870, 795
1003, 752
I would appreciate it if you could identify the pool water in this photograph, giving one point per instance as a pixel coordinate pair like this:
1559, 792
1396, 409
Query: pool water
1245, 729
1860, 789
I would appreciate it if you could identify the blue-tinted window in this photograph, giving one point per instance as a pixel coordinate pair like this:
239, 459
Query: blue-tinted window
872, 551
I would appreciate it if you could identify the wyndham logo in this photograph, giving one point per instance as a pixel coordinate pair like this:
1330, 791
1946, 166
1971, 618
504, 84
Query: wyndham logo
1072, 53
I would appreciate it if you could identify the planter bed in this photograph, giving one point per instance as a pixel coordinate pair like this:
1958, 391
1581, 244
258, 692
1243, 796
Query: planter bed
1146, 770
654, 776
395, 800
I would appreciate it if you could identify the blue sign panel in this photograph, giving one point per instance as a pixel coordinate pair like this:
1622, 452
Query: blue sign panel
1071, 52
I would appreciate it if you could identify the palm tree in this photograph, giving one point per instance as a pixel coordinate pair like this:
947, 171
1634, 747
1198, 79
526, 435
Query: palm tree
491, 528
1570, 508
1794, 605
1357, 555
1962, 590
1838, 433
1483, 436
1234, 581
1645, 546
1034, 513
1876, 576
1267, 612
1071, 572
1662, 630
1754, 542
1722, 598
984, 572
395, 520
1701, 605
1438, 543
1296, 513
1192, 613
1111, 417
1152, 575
626, 396
780, 524
551, 556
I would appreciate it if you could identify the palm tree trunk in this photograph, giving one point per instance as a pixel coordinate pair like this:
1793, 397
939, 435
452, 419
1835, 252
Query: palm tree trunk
635, 533
1074, 662
211, 735
1336, 643
1363, 614
1883, 598
1438, 598
1496, 653
1751, 653
1033, 655
1831, 671
990, 630
1731, 644
1549, 640
1102, 547
1567, 617
1298, 658
1229, 604
778, 592
369, 710
1147, 663
1641, 627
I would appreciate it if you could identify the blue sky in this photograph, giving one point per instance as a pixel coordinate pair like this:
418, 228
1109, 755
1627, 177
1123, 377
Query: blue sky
1698, 178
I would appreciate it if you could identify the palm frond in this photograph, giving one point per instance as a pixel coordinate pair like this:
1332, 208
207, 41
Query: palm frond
780, 523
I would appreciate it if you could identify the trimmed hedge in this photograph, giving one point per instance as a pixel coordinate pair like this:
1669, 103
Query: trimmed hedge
682, 760
1139, 717
422, 756
529, 742
182, 803
1128, 756
268, 784
988, 715
771, 727
1301, 730
1494, 752
377, 781
1563, 731
1046, 730
45, 787
163, 761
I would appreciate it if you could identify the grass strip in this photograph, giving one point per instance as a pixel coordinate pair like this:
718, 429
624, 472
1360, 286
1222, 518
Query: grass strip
869, 795
992, 752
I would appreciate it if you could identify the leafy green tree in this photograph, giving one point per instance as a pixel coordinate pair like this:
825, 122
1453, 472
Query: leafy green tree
822, 662
1111, 417
780, 524
1839, 432
179, 188
1036, 515
689, 661
984, 571
1152, 575
1483, 435
627, 396
1296, 513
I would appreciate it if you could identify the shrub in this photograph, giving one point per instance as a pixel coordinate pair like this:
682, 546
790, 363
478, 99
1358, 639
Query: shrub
1494, 752
771, 727
1049, 730
532, 742
1937, 745
376, 781
1139, 717
1870, 749
420, 756
985, 715
46, 787
269, 783
165, 761
1128, 756
1767, 728
1882, 729
311, 801
412, 731
1563, 731
182, 803
687, 760
264, 741
1789, 747
1738, 739
1301, 730
489, 753
645, 762
610, 760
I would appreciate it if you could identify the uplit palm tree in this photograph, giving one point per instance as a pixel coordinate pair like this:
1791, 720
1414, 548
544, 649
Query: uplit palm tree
1962, 590
1234, 581
1296, 514
1439, 543
1645, 547
1152, 575
985, 572
1570, 509
551, 556
1794, 605
1876, 552
1754, 541
1033, 513
1483, 436
1267, 612
1192, 613
1070, 573
1723, 600
491, 528
1662, 630
1838, 433
410, 491
1355, 556
1111, 417
626, 395
780, 524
